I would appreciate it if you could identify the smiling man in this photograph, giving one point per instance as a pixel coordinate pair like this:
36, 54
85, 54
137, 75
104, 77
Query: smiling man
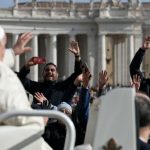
53, 89
50, 72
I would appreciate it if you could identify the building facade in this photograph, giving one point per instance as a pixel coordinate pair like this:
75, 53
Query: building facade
109, 33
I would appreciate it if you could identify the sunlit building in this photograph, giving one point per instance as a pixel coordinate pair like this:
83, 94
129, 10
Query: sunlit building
109, 33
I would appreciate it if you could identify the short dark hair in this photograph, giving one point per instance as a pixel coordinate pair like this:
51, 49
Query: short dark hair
143, 109
50, 63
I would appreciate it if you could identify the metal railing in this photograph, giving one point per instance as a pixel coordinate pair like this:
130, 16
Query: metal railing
70, 129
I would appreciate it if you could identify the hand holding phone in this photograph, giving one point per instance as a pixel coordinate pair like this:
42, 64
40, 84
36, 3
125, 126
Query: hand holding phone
38, 60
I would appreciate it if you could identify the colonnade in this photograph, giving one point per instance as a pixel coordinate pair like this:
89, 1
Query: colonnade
93, 51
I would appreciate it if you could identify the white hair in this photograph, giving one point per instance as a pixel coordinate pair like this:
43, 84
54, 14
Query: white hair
2, 33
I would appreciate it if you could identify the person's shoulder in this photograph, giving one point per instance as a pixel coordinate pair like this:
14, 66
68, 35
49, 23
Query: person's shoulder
5, 70
148, 80
144, 146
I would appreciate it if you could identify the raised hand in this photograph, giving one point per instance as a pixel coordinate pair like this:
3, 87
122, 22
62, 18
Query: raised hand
40, 97
86, 75
103, 78
30, 62
20, 45
83, 78
74, 48
78, 80
146, 44
136, 82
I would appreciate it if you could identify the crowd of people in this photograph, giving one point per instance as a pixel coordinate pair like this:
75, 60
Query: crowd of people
71, 96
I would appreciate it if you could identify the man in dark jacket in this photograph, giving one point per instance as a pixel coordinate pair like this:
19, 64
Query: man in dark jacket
135, 66
51, 88
55, 132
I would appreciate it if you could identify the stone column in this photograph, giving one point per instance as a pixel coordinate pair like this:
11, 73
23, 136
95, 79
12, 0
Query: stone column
126, 61
119, 63
123, 62
139, 41
70, 57
53, 49
131, 47
34, 69
131, 51
67, 56
102, 52
16, 3
91, 50
115, 62
51, 53
17, 58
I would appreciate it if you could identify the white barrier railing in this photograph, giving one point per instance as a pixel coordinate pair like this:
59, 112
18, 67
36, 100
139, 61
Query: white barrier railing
70, 129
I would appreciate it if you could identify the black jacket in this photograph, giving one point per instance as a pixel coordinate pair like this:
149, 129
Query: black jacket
143, 146
54, 91
135, 69
55, 132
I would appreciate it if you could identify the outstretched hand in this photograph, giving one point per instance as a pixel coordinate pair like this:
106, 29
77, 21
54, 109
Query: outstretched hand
30, 62
136, 82
83, 78
74, 48
40, 97
86, 77
103, 78
20, 45
146, 44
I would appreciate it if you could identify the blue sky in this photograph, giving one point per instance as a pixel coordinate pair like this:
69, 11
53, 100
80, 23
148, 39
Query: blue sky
8, 3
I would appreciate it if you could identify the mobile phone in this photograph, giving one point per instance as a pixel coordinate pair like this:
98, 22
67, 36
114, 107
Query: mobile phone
39, 60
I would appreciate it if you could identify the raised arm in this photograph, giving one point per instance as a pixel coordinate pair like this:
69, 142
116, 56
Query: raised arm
138, 58
74, 48
82, 109
84, 99
29, 85
102, 81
